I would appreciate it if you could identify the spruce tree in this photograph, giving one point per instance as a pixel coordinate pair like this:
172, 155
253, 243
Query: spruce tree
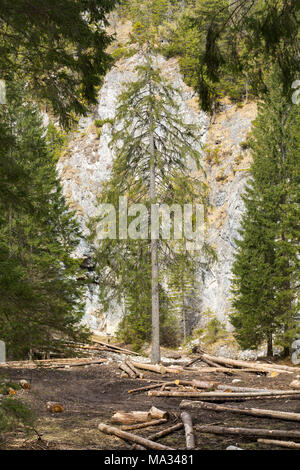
154, 149
58, 48
40, 300
266, 269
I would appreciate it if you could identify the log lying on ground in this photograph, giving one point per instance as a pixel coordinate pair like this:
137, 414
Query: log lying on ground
117, 348
165, 432
288, 444
159, 369
248, 431
132, 417
209, 370
149, 387
253, 365
191, 405
155, 413
155, 393
148, 424
77, 364
197, 384
231, 388
189, 432
132, 437
127, 369
131, 366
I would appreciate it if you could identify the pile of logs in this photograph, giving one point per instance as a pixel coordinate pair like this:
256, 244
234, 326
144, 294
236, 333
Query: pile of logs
145, 419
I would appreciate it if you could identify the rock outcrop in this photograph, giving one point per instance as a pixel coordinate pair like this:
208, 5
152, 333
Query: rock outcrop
87, 163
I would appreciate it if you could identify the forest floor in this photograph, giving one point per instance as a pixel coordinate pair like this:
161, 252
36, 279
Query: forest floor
92, 394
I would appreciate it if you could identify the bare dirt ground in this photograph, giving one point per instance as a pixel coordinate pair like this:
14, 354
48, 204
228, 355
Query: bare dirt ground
92, 394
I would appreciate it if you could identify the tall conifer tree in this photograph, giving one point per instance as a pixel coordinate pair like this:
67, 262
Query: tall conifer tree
266, 269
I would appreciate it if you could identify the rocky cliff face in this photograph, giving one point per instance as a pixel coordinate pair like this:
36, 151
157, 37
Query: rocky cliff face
87, 164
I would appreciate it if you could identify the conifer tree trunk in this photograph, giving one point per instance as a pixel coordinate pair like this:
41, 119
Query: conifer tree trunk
270, 346
155, 353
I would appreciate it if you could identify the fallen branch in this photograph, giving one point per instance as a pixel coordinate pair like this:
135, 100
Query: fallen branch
246, 411
288, 444
132, 437
189, 432
149, 387
248, 431
153, 422
166, 432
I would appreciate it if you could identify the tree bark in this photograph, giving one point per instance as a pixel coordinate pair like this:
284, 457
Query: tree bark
270, 346
155, 413
246, 411
155, 351
132, 437
133, 417
222, 395
189, 432
288, 444
166, 432
248, 431
253, 365
127, 369
153, 422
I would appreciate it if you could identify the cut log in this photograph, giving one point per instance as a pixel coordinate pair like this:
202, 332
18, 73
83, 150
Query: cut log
210, 370
159, 369
232, 388
165, 432
54, 407
288, 444
77, 364
148, 424
127, 369
149, 387
248, 431
253, 365
197, 384
132, 437
295, 384
24, 384
133, 417
189, 432
155, 413
117, 348
208, 362
190, 405
131, 366
277, 393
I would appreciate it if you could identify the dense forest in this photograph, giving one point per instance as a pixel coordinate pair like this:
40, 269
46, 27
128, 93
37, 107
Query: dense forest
54, 56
